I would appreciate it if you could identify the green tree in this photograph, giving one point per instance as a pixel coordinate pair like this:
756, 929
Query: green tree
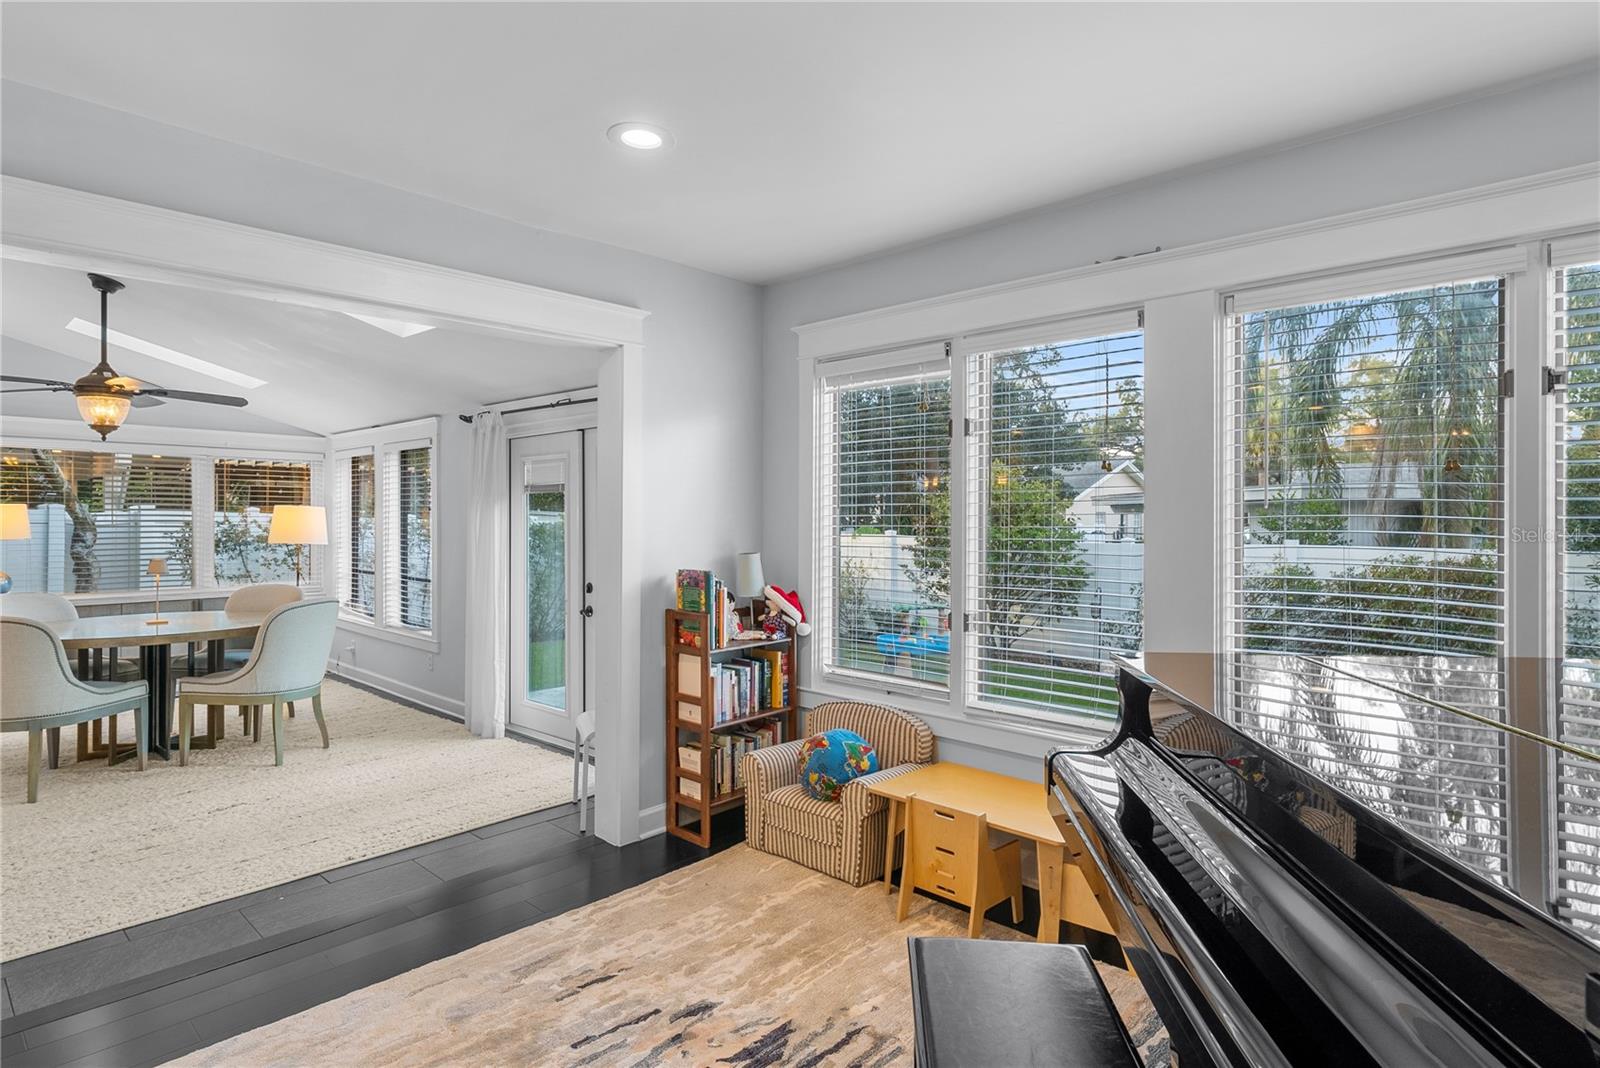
1307, 520
1033, 568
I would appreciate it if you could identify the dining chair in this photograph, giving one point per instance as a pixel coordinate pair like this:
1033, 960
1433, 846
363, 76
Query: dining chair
582, 754
287, 663
42, 607
41, 694
262, 597
51, 608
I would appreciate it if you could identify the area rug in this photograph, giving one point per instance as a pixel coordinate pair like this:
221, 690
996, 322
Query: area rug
743, 959
109, 847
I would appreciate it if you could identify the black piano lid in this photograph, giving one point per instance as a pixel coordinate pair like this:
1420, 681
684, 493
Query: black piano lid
1381, 788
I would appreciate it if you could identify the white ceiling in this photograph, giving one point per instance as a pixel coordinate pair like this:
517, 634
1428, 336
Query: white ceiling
325, 371
806, 134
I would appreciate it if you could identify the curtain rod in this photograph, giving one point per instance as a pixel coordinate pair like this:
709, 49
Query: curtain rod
565, 402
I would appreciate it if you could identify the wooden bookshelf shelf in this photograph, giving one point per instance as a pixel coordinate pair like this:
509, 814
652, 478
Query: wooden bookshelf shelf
691, 670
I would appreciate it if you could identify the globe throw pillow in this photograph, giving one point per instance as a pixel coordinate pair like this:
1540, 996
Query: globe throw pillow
831, 759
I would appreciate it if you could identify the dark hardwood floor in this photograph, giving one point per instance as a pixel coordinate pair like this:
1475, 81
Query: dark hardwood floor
150, 993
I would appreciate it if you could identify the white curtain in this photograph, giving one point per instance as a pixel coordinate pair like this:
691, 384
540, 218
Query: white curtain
488, 594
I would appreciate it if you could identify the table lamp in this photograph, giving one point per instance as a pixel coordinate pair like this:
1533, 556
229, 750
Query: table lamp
297, 525
156, 568
749, 581
14, 526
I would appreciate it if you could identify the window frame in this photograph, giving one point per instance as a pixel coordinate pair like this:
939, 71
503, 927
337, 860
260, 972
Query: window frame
384, 444
202, 500
903, 359
961, 714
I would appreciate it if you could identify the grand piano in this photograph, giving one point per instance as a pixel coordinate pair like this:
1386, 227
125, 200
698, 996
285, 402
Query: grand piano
1308, 861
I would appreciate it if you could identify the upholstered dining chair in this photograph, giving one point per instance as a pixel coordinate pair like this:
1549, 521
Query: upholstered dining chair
41, 694
262, 597
51, 608
287, 663
41, 607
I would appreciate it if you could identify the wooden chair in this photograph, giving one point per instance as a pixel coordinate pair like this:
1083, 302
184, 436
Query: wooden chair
948, 854
287, 663
41, 695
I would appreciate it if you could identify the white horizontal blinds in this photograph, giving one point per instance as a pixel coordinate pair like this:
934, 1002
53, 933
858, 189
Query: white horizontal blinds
1055, 516
884, 547
97, 519
1367, 492
1576, 870
1360, 725
246, 492
408, 536
355, 523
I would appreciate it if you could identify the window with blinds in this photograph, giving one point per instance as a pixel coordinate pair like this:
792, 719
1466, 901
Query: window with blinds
1575, 875
408, 529
1366, 519
356, 529
246, 491
1367, 491
884, 539
97, 519
1055, 519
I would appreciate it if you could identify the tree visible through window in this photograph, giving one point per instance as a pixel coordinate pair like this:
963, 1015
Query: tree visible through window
97, 519
416, 537
363, 549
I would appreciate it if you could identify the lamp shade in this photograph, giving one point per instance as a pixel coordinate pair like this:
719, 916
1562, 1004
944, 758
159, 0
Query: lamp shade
298, 524
749, 581
157, 566
14, 525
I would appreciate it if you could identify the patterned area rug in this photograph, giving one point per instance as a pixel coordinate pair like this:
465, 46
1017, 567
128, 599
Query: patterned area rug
743, 959
109, 847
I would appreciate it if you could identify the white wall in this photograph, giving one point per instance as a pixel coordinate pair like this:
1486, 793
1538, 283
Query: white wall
702, 340
1529, 130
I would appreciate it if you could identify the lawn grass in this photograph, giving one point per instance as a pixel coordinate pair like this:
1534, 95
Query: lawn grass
547, 664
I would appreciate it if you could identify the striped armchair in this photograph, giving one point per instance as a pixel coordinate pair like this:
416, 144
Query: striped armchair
843, 838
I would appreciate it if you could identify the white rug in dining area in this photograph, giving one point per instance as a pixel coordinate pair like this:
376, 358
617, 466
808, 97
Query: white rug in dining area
109, 847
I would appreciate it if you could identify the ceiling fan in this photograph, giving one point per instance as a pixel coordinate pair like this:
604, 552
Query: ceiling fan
104, 396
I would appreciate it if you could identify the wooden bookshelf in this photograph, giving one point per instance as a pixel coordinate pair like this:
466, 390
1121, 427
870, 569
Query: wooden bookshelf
689, 690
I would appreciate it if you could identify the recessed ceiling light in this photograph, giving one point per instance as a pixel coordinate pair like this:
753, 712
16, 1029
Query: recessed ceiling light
166, 355
393, 326
640, 135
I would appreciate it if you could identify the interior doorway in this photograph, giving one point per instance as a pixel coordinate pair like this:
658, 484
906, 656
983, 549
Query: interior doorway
551, 589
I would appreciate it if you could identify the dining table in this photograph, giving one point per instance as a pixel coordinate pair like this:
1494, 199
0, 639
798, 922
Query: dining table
154, 640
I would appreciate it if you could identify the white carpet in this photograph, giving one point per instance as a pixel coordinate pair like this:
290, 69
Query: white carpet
109, 847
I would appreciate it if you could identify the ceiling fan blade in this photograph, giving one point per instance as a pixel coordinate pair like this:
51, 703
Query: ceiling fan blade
186, 395
52, 383
31, 389
140, 400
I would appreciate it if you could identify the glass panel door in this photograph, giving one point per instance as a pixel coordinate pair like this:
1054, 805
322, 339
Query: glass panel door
547, 584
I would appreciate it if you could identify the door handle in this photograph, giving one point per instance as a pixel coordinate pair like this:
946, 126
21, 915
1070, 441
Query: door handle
588, 611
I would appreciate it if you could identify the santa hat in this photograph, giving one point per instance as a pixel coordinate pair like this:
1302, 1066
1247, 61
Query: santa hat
788, 602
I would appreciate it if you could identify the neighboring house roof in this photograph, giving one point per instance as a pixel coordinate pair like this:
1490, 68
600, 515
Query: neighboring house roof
1083, 478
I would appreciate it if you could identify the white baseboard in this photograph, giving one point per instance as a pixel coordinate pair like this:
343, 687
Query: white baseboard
448, 706
653, 821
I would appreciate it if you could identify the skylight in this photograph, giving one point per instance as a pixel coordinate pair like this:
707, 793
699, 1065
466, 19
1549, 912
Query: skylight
393, 326
166, 355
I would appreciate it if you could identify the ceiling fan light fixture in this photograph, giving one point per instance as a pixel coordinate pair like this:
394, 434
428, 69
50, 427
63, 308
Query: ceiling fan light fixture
104, 412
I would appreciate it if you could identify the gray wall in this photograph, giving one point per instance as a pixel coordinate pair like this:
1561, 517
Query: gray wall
702, 342
1528, 130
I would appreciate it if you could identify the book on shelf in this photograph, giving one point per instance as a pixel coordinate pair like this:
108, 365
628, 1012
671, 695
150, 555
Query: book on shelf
691, 633
728, 753
694, 590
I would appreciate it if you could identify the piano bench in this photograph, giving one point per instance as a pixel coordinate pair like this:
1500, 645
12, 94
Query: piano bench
978, 1003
